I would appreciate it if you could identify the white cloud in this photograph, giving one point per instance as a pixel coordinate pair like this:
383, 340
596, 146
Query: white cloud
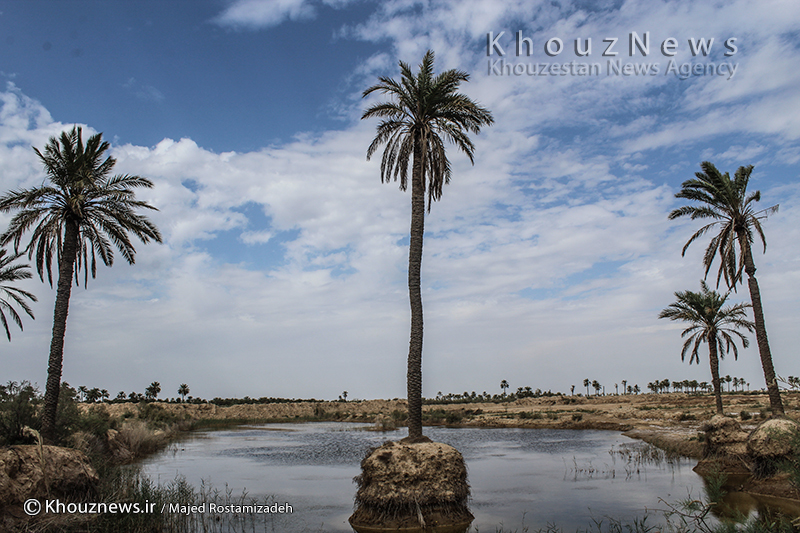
255, 14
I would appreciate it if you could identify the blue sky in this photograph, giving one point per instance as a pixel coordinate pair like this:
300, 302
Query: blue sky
284, 262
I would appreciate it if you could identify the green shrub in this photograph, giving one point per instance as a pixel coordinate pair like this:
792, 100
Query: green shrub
577, 417
454, 417
399, 416
18, 404
157, 415
745, 415
96, 421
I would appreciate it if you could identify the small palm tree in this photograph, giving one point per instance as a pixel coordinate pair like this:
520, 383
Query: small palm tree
425, 110
712, 323
12, 295
586, 384
82, 212
504, 385
183, 391
726, 201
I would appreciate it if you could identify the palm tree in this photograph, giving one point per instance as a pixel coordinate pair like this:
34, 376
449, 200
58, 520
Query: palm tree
78, 215
712, 323
12, 295
728, 204
586, 384
151, 392
425, 109
183, 390
504, 385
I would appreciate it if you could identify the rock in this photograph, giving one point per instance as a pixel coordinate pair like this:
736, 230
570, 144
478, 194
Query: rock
67, 472
724, 436
412, 485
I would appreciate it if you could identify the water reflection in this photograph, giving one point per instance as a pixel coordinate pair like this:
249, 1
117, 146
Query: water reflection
519, 477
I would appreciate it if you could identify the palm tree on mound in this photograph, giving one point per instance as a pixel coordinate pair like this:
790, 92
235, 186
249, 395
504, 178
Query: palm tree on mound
78, 213
726, 201
711, 323
9, 294
424, 110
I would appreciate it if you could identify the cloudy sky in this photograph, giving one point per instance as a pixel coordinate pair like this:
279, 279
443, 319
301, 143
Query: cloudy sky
283, 268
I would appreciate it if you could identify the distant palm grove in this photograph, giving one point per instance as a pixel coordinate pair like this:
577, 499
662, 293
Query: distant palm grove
82, 212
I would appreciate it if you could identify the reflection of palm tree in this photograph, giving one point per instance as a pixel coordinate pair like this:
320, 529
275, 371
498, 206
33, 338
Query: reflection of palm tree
77, 216
709, 322
9, 294
426, 109
726, 202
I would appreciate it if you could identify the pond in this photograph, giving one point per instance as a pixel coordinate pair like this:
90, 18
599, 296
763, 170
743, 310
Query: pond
519, 477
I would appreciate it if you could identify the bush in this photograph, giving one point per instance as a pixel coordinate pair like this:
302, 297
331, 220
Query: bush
454, 417
745, 415
96, 421
18, 404
399, 416
157, 415
577, 417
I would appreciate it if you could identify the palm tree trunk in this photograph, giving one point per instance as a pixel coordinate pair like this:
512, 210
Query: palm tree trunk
773, 391
713, 359
414, 376
65, 272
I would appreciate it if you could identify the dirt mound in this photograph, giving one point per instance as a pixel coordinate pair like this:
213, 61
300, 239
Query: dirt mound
772, 442
774, 438
724, 436
412, 485
56, 472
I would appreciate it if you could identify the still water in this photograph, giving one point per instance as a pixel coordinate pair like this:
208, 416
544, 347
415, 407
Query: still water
519, 477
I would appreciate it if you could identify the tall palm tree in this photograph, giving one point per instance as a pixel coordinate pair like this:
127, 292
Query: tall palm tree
425, 110
726, 201
12, 295
712, 323
183, 391
81, 211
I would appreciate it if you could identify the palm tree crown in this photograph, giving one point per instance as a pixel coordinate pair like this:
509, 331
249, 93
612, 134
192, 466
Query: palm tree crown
82, 193
711, 323
425, 110
726, 201
82, 212
9, 294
